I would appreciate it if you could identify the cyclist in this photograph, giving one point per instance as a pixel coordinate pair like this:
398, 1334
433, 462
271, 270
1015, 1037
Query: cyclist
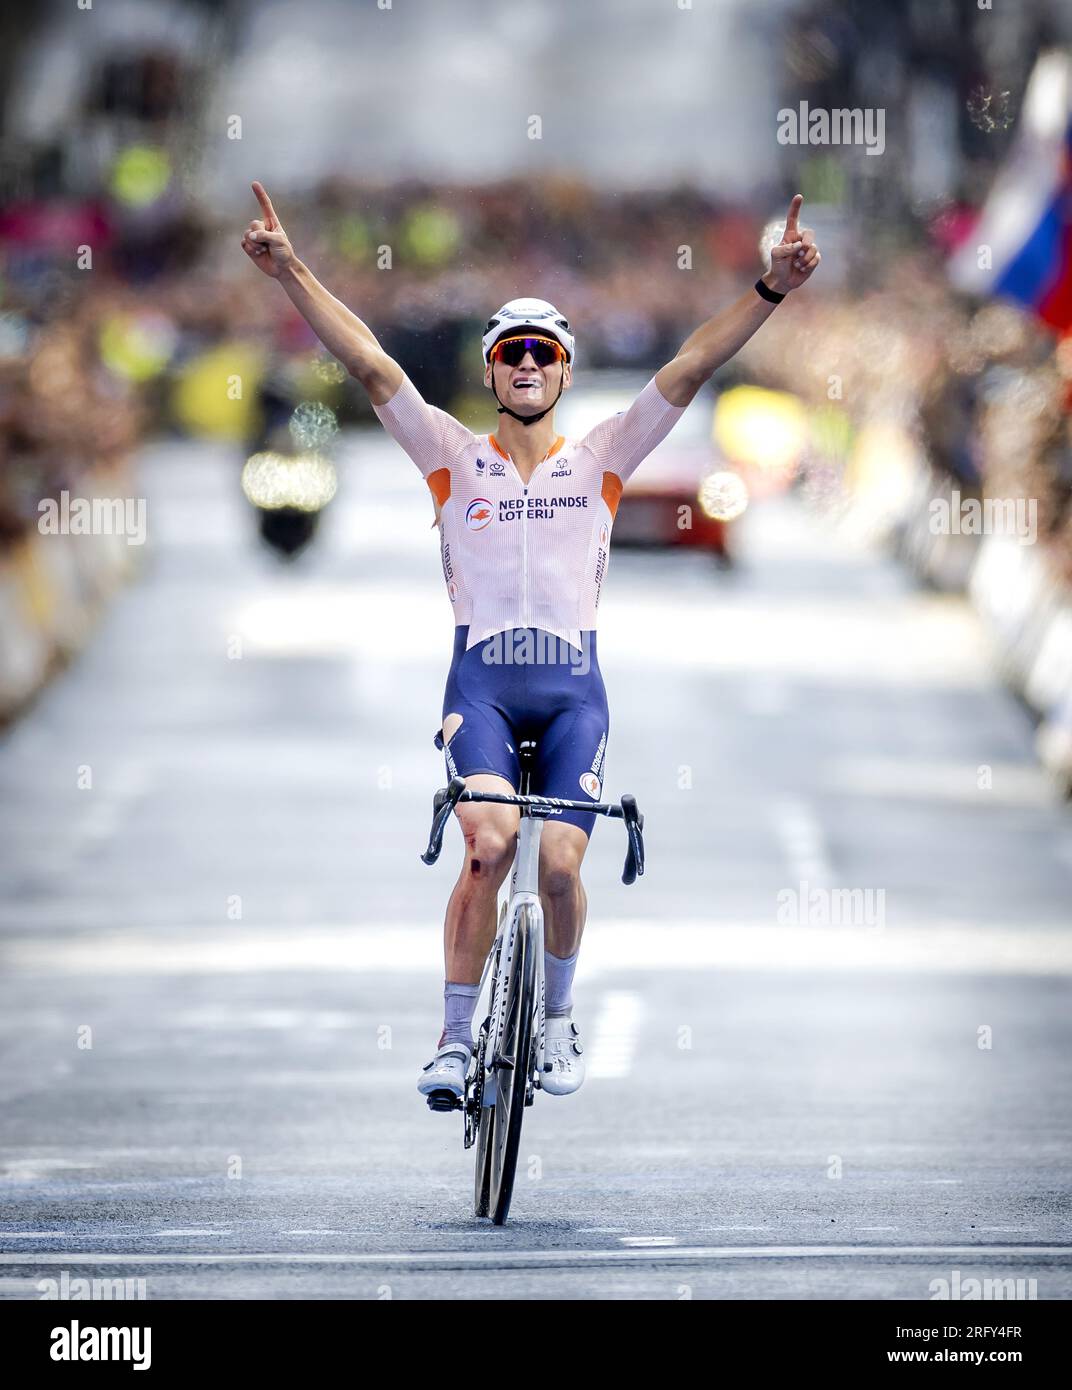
525, 517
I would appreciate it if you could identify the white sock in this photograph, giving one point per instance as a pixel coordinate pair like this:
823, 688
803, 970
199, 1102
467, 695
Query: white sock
558, 984
459, 1003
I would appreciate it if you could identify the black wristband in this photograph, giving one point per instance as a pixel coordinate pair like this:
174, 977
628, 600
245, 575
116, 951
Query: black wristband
771, 296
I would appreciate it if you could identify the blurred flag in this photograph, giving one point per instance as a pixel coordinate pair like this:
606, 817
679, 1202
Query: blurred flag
1022, 245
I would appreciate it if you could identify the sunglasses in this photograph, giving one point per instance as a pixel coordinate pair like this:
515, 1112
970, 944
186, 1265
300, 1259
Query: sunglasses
511, 351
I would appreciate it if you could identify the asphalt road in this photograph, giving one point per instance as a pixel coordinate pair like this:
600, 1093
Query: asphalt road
236, 913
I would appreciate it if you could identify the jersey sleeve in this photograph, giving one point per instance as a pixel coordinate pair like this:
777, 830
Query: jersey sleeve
429, 435
620, 443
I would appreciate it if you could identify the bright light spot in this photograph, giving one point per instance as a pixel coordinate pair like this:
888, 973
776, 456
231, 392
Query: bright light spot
140, 175
313, 425
882, 475
767, 429
306, 482
330, 370
723, 496
137, 346
431, 233
770, 236
216, 392
352, 237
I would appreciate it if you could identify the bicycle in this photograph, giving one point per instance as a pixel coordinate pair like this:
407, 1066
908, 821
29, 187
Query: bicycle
509, 1057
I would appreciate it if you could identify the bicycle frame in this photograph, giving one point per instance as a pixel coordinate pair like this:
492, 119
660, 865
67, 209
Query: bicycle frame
524, 889
516, 983
525, 877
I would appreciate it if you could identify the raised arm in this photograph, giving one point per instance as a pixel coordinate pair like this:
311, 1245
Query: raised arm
342, 332
723, 335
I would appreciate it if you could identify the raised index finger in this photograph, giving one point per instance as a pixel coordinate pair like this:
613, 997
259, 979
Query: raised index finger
271, 221
792, 225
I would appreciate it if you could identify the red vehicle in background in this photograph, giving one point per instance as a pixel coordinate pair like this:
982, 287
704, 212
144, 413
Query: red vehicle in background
661, 503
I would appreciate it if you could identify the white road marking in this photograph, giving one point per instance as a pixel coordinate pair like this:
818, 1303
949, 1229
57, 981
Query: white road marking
234, 1018
584, 1230
506, 1259
894, 642
611, 946
192, 1232
88, 1235
34, 1235
33, 1169
936, 780
614, 1040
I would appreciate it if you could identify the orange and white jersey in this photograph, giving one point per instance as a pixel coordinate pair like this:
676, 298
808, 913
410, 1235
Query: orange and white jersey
526, 555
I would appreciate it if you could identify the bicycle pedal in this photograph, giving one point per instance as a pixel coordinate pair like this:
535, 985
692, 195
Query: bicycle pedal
444, 1101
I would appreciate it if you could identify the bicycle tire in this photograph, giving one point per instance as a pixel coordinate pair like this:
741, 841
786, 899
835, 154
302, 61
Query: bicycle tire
511, 1084
482, 1179
482, 1183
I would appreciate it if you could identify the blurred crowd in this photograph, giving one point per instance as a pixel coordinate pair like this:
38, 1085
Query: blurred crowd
164, 312
150, 333
127, 307
910, 383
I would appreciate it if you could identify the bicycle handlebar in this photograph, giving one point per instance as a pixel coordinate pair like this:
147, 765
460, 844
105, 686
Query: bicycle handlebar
447, 798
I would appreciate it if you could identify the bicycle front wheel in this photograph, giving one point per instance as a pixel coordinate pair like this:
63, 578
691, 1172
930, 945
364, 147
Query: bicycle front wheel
485, 1126
514, 1070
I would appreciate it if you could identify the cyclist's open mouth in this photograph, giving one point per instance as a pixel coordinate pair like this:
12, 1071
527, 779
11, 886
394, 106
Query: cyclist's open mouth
522, 383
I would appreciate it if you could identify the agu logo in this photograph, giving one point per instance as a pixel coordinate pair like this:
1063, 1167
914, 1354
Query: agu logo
604, 535
478, 513
590, 783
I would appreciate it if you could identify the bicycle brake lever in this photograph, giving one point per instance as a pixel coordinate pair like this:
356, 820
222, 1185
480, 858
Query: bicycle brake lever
443, 803
634, 825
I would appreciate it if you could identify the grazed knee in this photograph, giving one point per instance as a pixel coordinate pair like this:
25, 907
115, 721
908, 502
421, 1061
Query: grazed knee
489, 850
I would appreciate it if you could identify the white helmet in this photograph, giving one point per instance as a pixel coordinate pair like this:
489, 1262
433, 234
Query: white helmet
528, 313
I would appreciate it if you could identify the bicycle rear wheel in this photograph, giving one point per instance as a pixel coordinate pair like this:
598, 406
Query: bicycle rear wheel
512, 1080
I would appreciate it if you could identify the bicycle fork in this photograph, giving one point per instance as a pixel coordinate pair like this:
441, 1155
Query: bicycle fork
523, 891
